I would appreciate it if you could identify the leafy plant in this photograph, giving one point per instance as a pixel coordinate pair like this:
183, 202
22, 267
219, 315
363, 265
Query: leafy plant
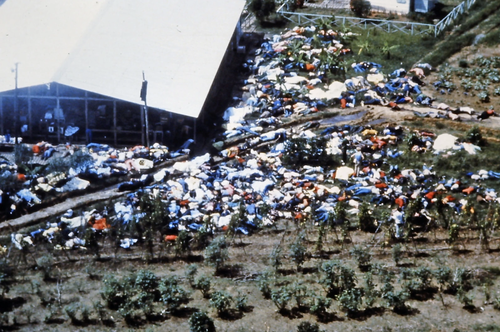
396, 253
320, 305
350, 301
204, 284
363, 256
220, 301
200, 322
190, 273
298, 251
307, 327
281, 297
172, 294
216, 254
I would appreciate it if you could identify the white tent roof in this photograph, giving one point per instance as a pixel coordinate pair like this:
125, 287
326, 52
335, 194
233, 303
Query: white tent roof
103, 46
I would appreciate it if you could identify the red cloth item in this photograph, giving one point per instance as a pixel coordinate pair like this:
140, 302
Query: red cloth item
169, 238
101, 224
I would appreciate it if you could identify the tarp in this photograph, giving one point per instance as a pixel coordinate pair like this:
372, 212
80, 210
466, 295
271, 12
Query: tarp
103, 46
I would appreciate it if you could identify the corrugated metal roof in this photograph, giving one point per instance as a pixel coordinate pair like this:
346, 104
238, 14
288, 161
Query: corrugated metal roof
103, 46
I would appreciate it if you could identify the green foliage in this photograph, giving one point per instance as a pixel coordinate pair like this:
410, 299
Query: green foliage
298, 251
220, 301
264, 283
22, 154
78, 313
300, 294
216, 254
362, 255
200, 322
336, 278
421, 280
172, 294
204, 284
361, 8
371, 293
182, 243
496, 303
281, 296
366, 220
190, 273
395, 299
45, 264
301, 151
396, 253
350, 301
241, 302
307, 327
276, 257
320, 305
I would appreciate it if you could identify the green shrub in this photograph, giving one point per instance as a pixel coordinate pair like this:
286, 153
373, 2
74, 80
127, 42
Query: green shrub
298, 251
264, 284
216, 254
204, 284
220, 301
320, 305
396, 253
363, 256
350, 301
200, 322
241, 302
307, 327
281, 297
190, 273
172, 294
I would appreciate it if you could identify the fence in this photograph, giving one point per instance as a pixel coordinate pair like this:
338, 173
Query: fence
385, 25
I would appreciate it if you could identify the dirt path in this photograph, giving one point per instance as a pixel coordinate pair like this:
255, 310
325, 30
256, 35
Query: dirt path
71, 203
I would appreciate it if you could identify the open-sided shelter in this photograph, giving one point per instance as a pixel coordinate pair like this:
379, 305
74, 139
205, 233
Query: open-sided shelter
81, 63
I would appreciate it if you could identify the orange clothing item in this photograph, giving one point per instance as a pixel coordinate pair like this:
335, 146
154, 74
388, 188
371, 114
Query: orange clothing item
343, 103
36, 149
169, 238
468, 191
310, 67
381, 185
400, 202
101, 224
21, 177
430, 195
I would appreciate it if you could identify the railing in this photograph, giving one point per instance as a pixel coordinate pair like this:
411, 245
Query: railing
452, 16
386, 25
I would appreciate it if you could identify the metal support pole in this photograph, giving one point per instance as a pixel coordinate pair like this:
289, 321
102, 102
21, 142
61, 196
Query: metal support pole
16, 108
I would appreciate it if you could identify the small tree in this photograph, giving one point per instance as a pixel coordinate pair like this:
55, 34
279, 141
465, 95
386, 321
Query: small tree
362, 256
281, 297
298, 251
366, 220
191, 271
396, 253
220, 301
216, 254
200, 322
350, 301
172, 294
203, 284
361, 8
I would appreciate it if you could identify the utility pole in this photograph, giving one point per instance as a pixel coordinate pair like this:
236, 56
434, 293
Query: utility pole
144, 92
16, 108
